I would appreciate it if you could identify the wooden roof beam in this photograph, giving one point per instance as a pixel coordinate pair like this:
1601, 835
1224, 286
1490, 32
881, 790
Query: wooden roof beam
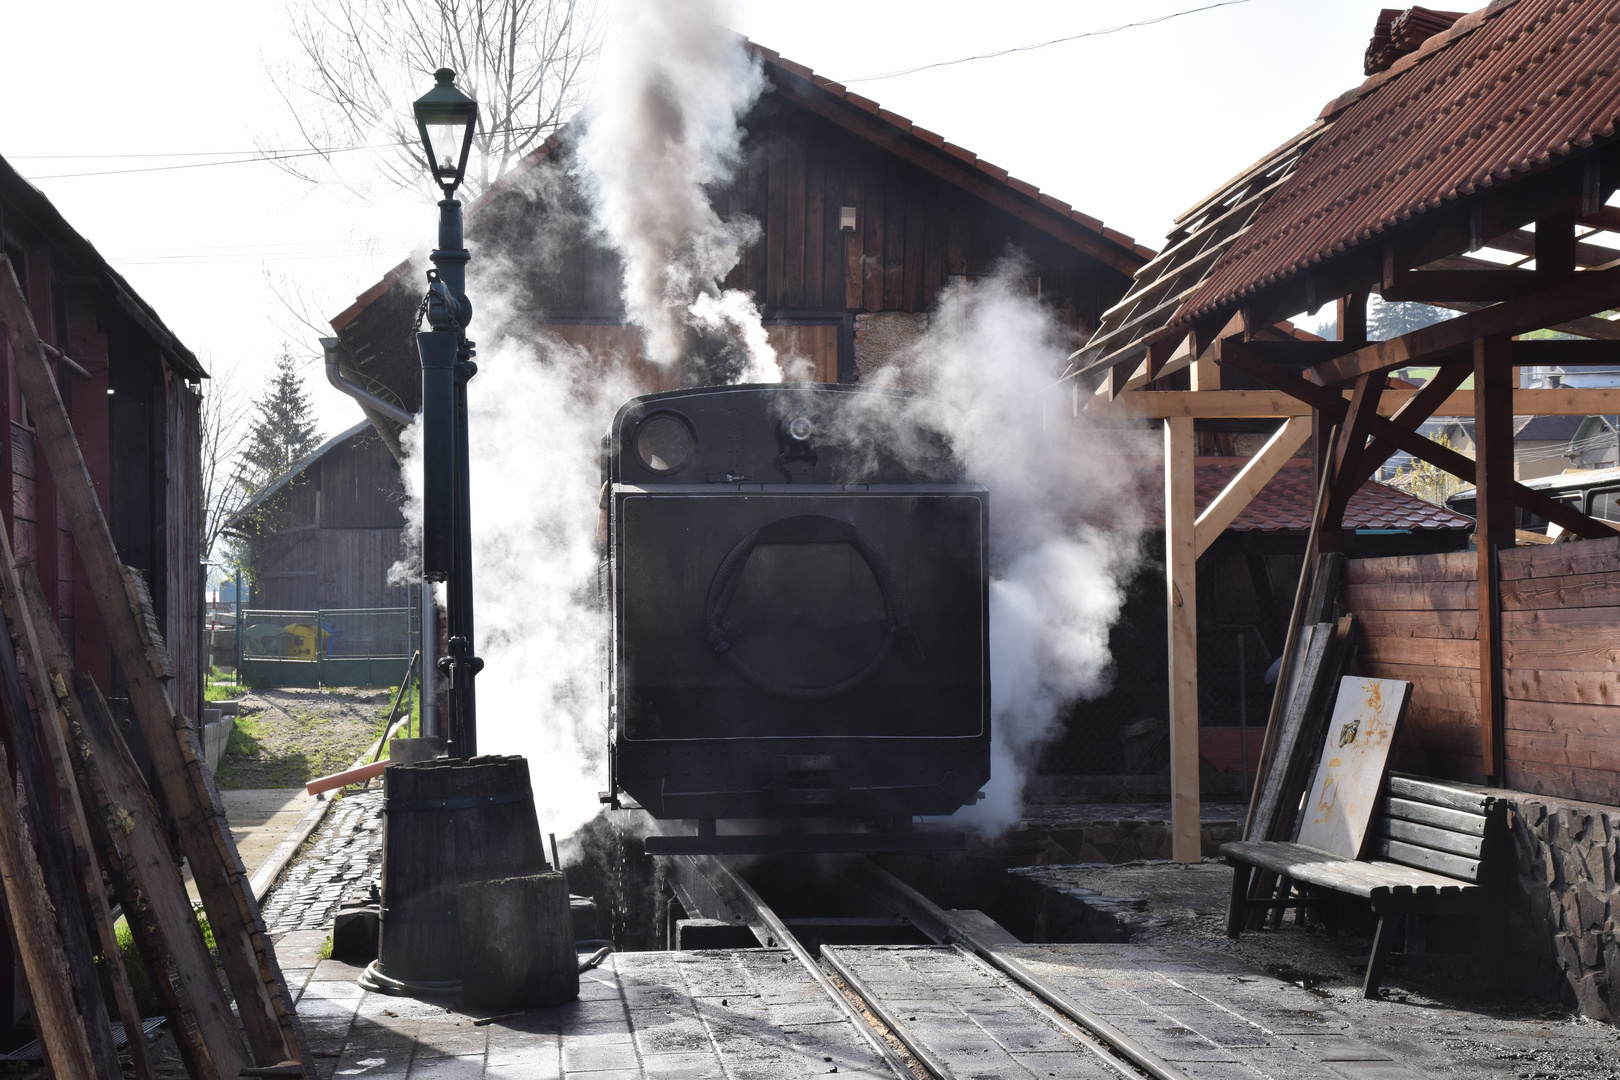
1334, 407
1577, 295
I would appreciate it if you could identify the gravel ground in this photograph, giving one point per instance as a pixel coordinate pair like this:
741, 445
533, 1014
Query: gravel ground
1448, 1022
285, 738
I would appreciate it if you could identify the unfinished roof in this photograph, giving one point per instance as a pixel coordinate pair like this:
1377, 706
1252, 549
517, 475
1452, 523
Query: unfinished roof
1506, 91
1201, 237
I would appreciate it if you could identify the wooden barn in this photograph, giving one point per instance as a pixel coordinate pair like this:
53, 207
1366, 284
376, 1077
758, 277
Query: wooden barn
321, 541
133, 391
326, 532
864, 217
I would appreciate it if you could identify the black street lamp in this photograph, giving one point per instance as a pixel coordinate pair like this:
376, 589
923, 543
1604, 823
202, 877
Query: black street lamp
446, 119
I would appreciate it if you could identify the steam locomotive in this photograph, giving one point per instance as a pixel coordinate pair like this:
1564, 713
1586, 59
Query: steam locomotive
799, 617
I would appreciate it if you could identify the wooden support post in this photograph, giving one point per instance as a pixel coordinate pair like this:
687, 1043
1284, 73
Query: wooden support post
1493, 465
1181, 564
1255, 474
1347, 452
245, 950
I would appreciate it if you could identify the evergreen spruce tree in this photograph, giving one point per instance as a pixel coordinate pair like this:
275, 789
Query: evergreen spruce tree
283, 432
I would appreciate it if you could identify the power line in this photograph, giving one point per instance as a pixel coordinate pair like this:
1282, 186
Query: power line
1042, 44
271, 157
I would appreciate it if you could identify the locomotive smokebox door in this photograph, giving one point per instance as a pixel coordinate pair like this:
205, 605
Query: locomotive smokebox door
800, 623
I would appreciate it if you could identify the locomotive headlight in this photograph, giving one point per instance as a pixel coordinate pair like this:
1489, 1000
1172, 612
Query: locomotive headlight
664, 442
801, 428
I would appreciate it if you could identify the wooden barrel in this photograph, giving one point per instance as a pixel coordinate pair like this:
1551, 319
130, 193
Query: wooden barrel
445, 823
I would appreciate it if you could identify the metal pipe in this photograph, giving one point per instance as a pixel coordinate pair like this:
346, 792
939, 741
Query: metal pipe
430, 664
64, 359
365, 397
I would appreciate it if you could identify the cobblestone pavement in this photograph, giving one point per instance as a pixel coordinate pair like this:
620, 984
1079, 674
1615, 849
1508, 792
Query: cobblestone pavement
342, 862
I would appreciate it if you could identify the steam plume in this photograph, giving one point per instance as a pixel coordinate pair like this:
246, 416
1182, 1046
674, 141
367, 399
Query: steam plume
663, 127
1063, 515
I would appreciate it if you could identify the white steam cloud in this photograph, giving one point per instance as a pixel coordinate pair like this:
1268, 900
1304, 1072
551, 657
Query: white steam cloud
1064, 519
664, 127
672, 85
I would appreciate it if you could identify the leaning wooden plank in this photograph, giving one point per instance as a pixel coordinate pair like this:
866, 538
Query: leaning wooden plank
1319, 697
33, 934
188, 791
55, 858
134, 846
55, 745
1269, 802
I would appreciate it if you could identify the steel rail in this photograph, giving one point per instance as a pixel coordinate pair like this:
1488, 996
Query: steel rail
948, 928
732, 890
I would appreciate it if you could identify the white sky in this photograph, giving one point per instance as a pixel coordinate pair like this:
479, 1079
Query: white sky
1131, 128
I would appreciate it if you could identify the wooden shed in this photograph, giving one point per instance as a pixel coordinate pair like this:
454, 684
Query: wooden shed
864, 217
321, 542
325, 534
133, 391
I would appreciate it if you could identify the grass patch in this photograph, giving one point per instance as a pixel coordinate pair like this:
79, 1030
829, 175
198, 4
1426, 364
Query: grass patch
295, 738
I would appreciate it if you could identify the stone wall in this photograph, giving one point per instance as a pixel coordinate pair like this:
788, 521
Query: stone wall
1562, 902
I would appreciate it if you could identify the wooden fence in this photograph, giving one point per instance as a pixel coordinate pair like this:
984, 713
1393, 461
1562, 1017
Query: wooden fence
1419, 619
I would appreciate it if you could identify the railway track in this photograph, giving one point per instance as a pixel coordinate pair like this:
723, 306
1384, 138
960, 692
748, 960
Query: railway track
957, 1004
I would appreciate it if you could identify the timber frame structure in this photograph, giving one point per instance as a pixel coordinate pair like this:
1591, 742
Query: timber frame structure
1475, 173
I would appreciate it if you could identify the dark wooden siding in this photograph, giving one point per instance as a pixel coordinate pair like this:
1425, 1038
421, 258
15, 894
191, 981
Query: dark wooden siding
328, 539
1561, 657
913, 234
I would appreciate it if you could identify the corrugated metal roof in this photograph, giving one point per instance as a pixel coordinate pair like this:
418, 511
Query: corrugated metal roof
1505, 91
1286, 502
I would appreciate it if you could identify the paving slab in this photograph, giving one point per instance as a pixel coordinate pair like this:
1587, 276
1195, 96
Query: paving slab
1209, 1015
672, 1016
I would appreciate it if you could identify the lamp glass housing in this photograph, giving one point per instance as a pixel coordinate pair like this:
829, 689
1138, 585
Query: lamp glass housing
446, 119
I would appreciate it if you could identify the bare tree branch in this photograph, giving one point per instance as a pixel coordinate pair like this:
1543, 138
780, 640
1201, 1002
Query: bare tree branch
225, 410
365, 61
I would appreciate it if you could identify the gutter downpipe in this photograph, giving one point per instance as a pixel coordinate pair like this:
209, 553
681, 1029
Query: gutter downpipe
371, 401
430, 623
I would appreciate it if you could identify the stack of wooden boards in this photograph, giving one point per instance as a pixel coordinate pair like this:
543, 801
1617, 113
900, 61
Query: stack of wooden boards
1315, 657
82, 821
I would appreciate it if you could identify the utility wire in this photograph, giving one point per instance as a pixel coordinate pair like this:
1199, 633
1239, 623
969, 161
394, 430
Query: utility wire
1042, 44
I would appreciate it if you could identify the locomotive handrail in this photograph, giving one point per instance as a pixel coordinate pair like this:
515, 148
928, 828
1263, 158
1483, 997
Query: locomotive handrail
803, 529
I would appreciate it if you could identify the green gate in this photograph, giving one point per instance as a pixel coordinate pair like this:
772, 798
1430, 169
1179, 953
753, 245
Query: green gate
327, 647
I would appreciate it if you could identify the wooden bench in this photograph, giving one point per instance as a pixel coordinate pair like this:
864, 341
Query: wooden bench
1432, 850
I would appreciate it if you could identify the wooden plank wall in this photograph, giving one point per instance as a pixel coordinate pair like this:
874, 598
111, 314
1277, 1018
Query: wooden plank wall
1561, 653
913, 234
328, 539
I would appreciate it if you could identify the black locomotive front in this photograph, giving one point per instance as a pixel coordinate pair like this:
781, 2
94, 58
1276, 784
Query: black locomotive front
799, 607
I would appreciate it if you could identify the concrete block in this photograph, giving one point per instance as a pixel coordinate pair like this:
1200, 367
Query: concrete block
354, 934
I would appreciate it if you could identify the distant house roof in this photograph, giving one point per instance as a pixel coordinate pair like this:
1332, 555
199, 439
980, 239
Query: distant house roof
298, 467
1504, 92
1285, 503
77, 255
868, 120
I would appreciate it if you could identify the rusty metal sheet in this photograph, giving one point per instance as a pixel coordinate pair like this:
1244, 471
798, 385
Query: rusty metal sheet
1501, 94
1339, 803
